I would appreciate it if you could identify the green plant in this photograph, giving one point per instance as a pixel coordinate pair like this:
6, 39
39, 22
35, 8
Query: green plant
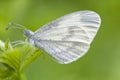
14, 60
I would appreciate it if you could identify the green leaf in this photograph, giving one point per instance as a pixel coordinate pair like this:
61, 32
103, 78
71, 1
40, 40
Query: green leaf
26, 50
35, 53
8, 45
15, 60
6, 72
12, 58
2, 46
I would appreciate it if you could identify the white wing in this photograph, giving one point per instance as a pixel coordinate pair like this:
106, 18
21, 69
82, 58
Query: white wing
68, 38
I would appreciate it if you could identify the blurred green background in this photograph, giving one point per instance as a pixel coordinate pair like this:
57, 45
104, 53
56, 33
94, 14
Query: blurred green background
102, 61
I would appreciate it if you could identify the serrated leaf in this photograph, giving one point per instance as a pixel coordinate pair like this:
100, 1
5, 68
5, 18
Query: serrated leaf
26, 51
15, 60
36, 53
12, 58
6, 72
8, 45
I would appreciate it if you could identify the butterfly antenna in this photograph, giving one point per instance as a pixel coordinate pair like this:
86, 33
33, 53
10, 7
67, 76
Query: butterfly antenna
15, 25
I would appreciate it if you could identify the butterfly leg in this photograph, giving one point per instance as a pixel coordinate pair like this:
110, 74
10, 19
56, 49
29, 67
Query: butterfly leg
16, 43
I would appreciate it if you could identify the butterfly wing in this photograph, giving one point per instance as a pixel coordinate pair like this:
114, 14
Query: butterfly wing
68, 38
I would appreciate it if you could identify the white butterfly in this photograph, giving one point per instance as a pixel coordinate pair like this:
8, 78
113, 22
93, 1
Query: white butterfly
67, 38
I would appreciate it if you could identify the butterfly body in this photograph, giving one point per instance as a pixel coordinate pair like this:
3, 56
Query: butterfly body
67, 38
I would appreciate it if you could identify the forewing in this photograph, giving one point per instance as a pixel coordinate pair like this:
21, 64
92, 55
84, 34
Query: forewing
61, 36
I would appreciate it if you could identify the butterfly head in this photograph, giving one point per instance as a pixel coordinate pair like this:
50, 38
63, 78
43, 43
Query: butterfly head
28, 33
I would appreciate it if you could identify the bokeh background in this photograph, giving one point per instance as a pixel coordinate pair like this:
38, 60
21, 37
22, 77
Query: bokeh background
102, 61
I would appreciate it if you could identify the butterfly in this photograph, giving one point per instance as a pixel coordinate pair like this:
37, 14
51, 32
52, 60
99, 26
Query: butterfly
67, 38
